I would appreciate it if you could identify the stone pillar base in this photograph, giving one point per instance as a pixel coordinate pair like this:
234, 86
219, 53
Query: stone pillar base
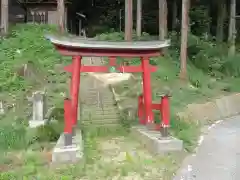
155, 142
68, 154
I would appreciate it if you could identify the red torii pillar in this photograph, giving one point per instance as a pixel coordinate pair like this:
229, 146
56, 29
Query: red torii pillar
78, 48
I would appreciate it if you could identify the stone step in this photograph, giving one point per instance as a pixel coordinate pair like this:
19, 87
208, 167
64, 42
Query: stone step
96, 100
108, 100
99, 112
98, 103
100, 119
100, 116
108, 109
97, 89
95, 107
113, 125
90, 96
100, 122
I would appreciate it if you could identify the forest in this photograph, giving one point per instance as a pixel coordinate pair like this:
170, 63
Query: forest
206, 23
211, 17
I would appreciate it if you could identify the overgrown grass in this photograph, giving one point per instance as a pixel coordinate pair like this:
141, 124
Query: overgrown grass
26, 44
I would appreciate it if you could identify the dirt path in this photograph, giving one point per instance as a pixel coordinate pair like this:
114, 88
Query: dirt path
123, 158
218, 156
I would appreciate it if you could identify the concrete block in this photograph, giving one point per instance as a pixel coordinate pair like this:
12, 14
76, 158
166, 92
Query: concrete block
68, 154
229, 105
153, 141
204, 112
216, 109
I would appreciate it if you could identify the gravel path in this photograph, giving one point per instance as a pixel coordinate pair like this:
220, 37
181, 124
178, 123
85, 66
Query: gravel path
218, 156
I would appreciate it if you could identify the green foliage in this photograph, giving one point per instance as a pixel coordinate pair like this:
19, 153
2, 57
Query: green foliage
200, 20
12, 137
188, 132
26, 43
49, 132
52, 129
207, 55
119, 36
231, 66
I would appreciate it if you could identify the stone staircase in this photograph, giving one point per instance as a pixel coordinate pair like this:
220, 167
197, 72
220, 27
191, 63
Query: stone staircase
98, 107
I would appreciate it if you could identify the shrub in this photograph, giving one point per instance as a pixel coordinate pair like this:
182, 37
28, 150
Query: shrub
231, 66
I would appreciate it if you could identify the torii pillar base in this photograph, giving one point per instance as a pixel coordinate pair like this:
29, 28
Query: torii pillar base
154, 142
68, 154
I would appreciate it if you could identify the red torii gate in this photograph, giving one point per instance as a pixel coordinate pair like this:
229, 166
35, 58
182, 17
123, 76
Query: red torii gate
78, 48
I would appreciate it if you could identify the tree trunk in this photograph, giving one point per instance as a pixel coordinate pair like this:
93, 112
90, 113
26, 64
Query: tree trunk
184, 39
232, 28
128, 20
188, 16
4, 17
220, 21
163, 12
174, 14
208, 25
166, 18
139, 18
61, 16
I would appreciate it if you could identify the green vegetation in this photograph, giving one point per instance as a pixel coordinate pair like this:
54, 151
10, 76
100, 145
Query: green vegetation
26, 45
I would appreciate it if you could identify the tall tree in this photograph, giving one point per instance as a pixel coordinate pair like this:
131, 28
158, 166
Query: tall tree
184, 38
61, 15
232, 28
220, 20
139, 18
174, 14
162, 19
4, 16
128, 19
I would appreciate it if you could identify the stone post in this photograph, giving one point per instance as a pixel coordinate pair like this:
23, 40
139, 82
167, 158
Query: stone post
1, 108
39, 109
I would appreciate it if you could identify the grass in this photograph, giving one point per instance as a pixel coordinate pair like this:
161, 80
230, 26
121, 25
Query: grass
26, 45
112, 157
26, 154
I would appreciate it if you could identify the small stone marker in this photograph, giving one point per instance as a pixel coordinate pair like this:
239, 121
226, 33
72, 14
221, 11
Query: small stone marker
39, 109
1, 108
